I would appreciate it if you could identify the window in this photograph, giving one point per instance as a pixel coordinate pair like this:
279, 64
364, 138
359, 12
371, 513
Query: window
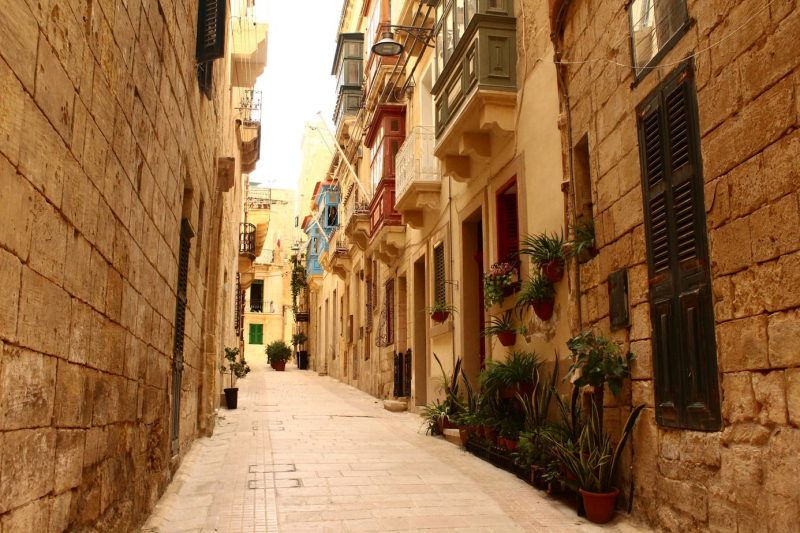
257, 296
655, 26
256, 334
389, 303
180, 328
439, 278
333, 216
684, 349
211, 31
507, 223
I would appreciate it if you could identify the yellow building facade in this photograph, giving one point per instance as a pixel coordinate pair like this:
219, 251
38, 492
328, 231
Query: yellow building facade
427, 156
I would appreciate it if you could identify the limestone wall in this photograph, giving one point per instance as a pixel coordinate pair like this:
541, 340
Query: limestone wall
747, 90
102, 130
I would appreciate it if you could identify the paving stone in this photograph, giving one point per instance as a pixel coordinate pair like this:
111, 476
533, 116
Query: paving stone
327, 457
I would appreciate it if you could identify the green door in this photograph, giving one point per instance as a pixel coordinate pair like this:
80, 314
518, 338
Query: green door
256, 334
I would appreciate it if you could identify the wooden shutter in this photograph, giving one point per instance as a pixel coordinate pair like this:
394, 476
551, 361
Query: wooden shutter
439, 286
389, 312
180, 328
684, 349
211, 30
507, 224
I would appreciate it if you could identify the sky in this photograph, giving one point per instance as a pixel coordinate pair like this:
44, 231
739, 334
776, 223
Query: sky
296, 83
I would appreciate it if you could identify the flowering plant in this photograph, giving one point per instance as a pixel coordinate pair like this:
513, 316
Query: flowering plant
495, 283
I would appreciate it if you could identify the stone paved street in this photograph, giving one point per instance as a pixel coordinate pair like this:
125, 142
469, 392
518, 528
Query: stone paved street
306, 453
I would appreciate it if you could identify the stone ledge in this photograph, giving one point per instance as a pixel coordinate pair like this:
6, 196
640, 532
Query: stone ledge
395, 406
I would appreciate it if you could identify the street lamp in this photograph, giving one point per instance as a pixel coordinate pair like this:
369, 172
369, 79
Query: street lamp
387, 46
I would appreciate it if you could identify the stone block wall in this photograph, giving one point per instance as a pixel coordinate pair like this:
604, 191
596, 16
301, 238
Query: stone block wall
102, 130
748, 93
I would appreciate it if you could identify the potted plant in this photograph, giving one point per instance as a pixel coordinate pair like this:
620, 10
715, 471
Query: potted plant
440, 311
237, 369
452, 398
277, 354
503, 328
434, 414
597, 361
513, 376
583, 242
593, 464
547, 253
299, 339
497, 282
539, 293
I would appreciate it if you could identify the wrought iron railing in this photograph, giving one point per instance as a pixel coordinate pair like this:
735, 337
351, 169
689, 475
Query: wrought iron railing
353, 206
247, 239
415, 160
342, 244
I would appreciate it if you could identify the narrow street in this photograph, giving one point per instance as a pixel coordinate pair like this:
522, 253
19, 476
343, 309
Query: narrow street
306, 453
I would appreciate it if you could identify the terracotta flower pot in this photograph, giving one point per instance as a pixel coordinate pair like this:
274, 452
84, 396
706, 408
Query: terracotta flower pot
553, 270
544, 309
507, 338
440, 316
463, 433
490, 434
280, 366
501, 442
599, 506
511, 444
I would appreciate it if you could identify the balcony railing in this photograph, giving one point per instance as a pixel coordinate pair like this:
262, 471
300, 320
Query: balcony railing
415, 161
247, 239
354, 207
341, 245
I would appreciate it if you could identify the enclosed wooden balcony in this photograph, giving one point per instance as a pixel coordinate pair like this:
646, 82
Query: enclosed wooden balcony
476, 91
418, 183
247, 253
387, 232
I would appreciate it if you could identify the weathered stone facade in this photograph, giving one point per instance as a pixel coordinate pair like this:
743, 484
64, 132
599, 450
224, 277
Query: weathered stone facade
747, 79
106, 144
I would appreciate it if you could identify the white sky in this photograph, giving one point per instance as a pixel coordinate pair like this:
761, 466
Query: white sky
296, 83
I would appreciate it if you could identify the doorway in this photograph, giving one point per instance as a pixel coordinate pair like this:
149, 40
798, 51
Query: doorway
473, 316
419, 351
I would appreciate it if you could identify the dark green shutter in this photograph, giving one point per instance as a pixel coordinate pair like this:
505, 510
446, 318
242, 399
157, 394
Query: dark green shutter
439, 287
256, 334
684, 349
211, 30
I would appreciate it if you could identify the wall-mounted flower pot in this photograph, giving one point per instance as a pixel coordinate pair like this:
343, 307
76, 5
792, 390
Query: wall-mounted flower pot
232, 397
544, 309
599, 506
440, 316
553, 270
507, 338
280, 366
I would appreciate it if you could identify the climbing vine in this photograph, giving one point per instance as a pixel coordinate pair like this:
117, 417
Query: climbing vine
298, 282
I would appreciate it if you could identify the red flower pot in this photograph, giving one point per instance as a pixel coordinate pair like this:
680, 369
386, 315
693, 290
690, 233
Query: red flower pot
440, 316
463, 433
280, 367
501, 442
507, 338
490, 434
553, 270
599, 507
511, 444
544, 309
